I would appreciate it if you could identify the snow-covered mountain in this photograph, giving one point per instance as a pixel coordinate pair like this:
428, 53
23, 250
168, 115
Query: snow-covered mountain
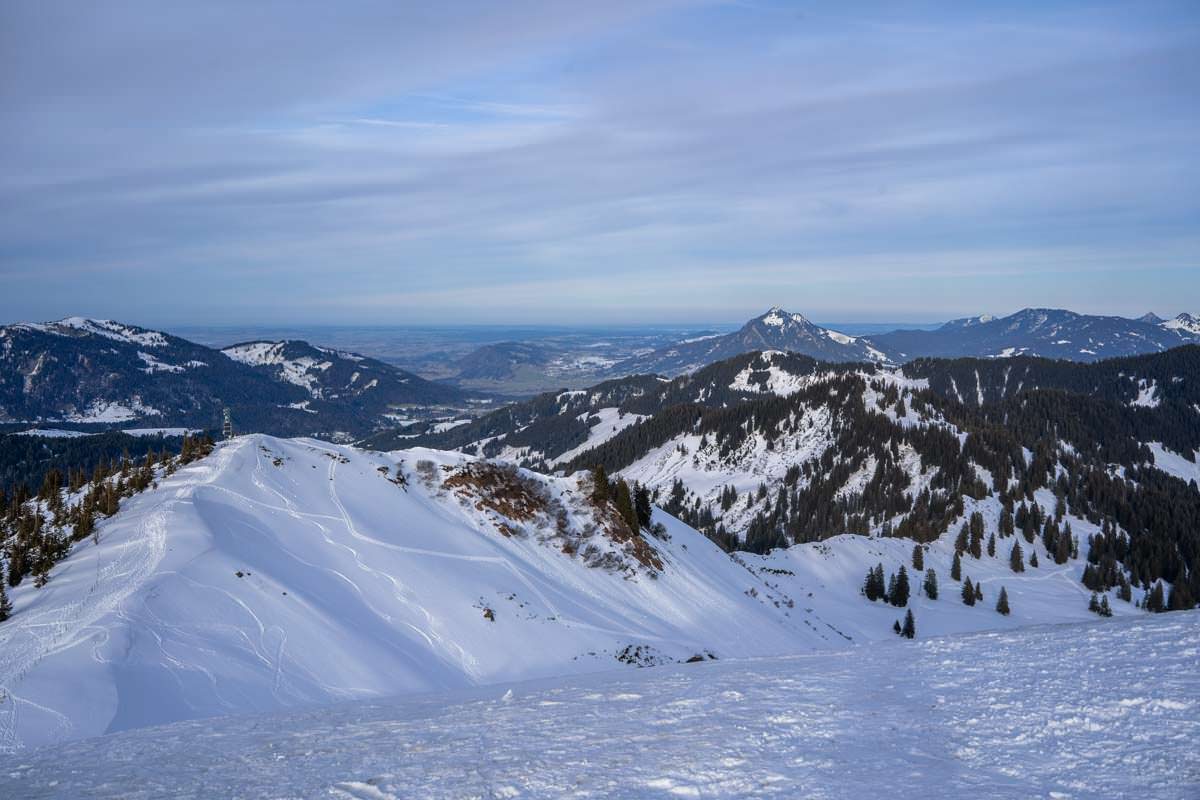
334, 375
775, 330
276, 574
1186, 325
1046, 332
101, 372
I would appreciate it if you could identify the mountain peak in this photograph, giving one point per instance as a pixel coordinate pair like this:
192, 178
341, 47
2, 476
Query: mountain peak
778, 317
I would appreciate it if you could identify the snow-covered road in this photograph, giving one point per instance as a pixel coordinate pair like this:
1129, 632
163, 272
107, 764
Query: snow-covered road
1106, 709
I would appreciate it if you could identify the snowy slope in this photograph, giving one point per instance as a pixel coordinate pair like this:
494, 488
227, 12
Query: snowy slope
1108, 709
351, 586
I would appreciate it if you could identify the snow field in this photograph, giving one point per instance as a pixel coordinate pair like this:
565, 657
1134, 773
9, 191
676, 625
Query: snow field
1105, 709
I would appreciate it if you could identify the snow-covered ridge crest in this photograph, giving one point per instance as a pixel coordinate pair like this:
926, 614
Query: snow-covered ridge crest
106, 328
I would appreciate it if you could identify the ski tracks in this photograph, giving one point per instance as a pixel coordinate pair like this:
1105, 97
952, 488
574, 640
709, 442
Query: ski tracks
29, 638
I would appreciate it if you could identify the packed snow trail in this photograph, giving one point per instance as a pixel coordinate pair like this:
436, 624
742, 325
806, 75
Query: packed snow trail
1106, 709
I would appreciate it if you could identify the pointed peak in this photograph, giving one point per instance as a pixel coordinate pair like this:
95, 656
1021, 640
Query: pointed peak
779, 317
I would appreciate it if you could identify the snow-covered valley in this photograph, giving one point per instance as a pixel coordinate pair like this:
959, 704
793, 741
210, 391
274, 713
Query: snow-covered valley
1105, 709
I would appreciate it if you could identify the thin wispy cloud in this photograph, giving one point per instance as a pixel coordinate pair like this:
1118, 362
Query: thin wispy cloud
556, 162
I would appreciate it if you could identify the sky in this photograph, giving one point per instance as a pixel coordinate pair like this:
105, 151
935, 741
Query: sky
653, 161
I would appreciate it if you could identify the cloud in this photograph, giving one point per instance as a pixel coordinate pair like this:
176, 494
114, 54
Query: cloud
555, 161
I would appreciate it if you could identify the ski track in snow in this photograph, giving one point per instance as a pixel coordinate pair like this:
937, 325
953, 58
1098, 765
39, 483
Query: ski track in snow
1103, 709
28, 638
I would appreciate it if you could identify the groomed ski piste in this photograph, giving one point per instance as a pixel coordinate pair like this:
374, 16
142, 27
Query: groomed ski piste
282, 575
1107, 709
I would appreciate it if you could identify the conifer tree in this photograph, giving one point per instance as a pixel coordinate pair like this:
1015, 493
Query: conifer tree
1124, 590
1062, 549
5, 603
1154, 598
641, 504
600, 489
1006, 523
910, 626
978, 592
1105, 609
931, 584
968, 593
1002, 602
976, 544
624, 503
956, 568
1033, 559
960, 543
1016, 559
991, 545
898, 594
896, 626
918, 558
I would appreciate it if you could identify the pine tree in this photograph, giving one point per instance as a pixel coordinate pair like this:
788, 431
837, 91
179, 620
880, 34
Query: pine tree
1180, 598
1033, 559
918, 558
641, 504
1006, 523
991, 545
910, 626
874, 587
600, 489
624, 503
931, 584
1094, 604
1154, 599
1002, 602
1124, 590
1016, 559
968, 593
1062, 549
1105, 609
960, 543
5, 603
956, 568
978, 592
898, 591
896, 626
976, 544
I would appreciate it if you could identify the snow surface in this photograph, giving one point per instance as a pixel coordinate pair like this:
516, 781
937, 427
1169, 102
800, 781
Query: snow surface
1100, 710
612, 422
1173, 463
109, 330
1147, 394
58, 433
779, 380
52, 433
351, 587
112, 411
299, 371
